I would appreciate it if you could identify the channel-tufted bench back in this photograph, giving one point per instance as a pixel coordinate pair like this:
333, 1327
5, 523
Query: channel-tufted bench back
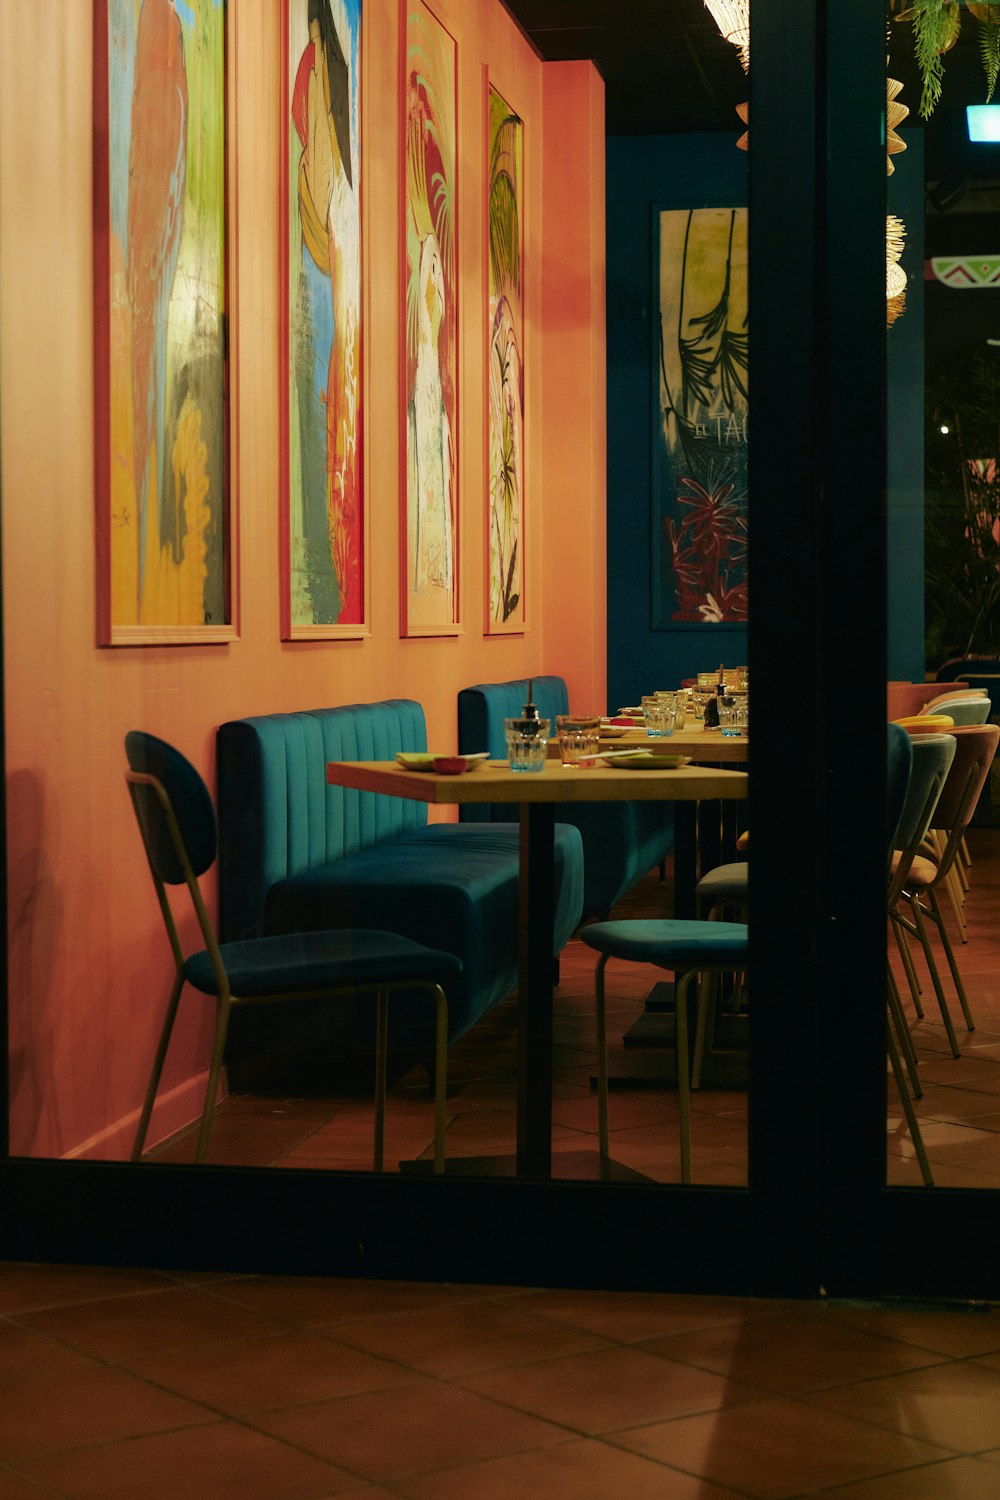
277, 814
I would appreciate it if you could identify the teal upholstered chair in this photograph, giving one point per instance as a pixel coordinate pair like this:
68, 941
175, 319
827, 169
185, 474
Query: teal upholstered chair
686, 948
177, 822
962, 711
922, 878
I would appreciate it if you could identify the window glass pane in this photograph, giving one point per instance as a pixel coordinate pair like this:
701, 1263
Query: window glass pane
944, 584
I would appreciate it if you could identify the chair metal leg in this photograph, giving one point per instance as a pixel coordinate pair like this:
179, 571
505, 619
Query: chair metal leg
602, 1057
903, 1032
381, 1053
440, 1074
925, 943
158, 1061
949, 953
707, 991
212, 1087
682, 983
908, 1110
956, 898
908, 964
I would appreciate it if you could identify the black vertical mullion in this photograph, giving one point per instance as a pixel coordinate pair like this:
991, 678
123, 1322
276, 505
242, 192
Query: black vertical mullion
788, 828
853, 629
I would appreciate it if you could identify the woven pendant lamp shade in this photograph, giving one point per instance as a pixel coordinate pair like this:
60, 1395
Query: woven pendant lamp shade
733, 20
895, 114
743, 110
895, 276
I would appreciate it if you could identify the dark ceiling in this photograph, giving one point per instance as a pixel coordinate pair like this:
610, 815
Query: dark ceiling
666, 69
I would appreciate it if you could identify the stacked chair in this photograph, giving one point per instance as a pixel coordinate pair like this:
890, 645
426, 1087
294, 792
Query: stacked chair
924, 870
177, 822
915, 775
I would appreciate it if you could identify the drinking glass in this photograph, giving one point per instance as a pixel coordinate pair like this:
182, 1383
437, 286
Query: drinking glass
658, 717
729, 714
578, 738
527, 743
679, 701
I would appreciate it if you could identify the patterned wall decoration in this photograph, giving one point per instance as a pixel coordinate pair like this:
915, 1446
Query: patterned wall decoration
700, 434
162, 301
430, 571
505, 384
324, 537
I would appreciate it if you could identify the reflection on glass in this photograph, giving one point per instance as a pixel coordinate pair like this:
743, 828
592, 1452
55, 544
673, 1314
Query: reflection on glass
944, 622
91, 967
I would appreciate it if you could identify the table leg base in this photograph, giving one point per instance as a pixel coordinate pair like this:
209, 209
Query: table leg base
652, 1067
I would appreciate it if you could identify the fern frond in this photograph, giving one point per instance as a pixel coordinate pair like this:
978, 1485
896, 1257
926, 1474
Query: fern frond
989, 47
935, 25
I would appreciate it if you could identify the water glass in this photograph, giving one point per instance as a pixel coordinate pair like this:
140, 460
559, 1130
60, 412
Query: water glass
527, 743
679, 702
732, 714
579, 739
658, 717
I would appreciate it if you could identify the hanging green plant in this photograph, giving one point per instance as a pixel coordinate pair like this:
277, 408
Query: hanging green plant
936, 24
988, 21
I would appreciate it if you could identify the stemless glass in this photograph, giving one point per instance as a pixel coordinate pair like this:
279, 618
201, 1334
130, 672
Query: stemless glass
527, 743
729, 714
658, 717
678, 701
579, 738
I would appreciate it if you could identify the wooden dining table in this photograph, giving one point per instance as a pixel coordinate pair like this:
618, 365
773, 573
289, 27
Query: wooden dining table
538, 795
701, 744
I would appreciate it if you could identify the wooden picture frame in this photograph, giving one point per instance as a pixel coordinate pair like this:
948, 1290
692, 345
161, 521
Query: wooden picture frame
503, 235
430, 573
699, 361
164, 323
324, 542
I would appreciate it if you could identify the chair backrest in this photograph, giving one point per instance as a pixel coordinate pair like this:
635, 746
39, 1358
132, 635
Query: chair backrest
189, 800
953, 695
483, 708
905, 698
963, 710
899, 767
278, 817
932, 758
975, 748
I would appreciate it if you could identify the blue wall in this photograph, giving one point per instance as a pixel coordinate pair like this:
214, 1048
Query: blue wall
645, 174
905, 353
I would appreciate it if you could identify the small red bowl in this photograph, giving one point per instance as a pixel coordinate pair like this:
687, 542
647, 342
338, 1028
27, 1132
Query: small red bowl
450, 765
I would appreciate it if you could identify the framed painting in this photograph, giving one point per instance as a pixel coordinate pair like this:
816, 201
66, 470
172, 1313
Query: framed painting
505, 604
163, 322
324, 538
699, 514
429, 582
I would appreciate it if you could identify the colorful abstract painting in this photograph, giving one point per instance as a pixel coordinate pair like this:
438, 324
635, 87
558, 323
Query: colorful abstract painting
505, 336
322, 449
430, 599
700, 454
160, 321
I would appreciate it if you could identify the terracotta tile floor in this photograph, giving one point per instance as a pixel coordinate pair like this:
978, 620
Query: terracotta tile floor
960, 1110
146, 1385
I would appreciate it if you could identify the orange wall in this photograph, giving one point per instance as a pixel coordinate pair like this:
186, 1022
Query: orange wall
89, 964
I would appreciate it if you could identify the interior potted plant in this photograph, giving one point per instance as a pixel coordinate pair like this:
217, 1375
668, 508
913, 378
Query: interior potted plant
936, 25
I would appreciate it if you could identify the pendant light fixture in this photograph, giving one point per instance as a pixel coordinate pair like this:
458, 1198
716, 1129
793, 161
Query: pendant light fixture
733, 20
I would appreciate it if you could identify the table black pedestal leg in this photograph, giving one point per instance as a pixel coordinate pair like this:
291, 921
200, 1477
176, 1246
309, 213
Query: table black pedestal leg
536, 924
